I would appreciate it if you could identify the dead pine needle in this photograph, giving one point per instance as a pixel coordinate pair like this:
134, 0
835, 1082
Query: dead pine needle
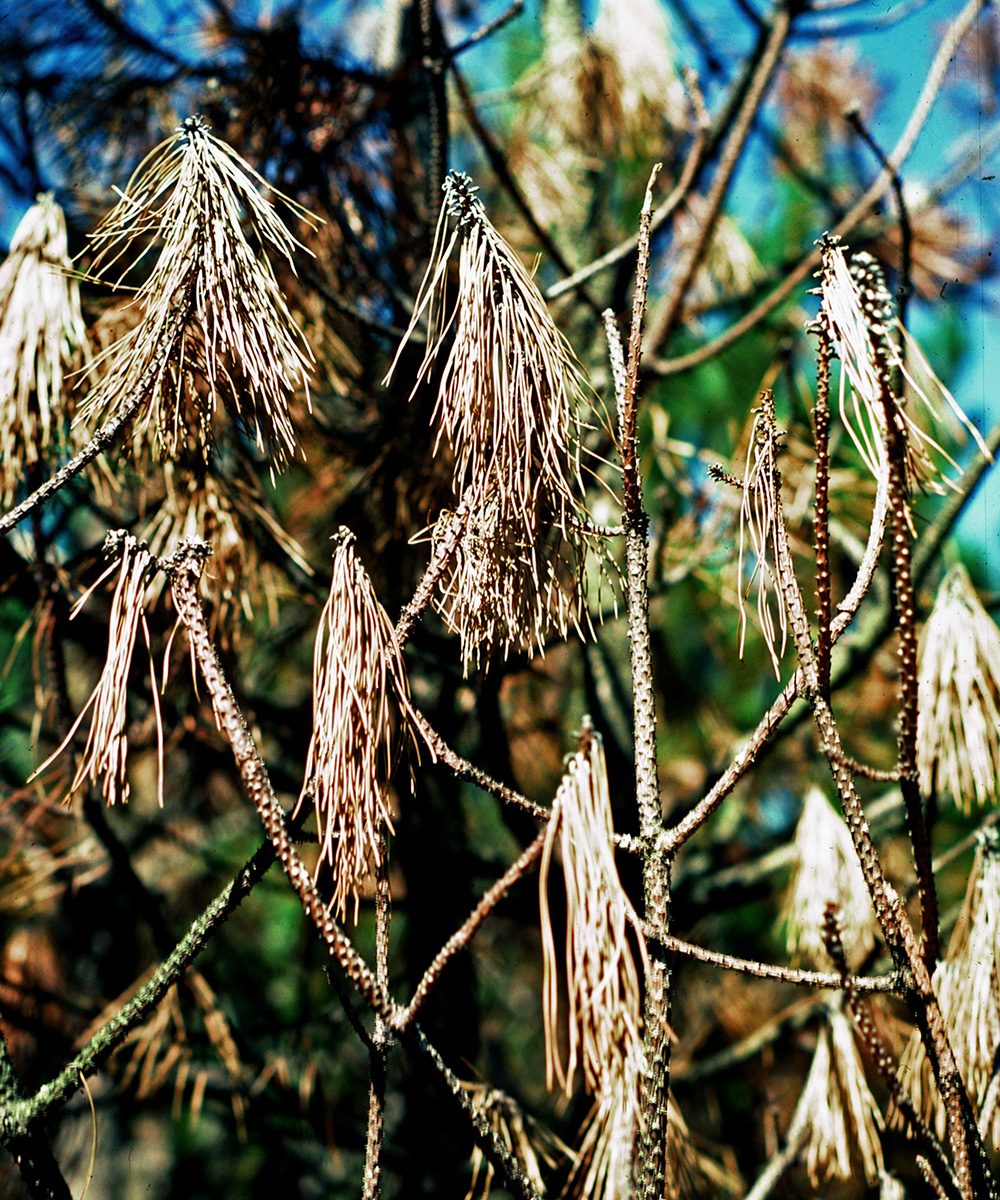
759, 517
361, 723
105, 755
869, 340
195, 199
603, 992
508, 406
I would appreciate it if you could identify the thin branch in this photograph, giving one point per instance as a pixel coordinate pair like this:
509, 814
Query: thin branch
109, 433
942, 60
668, 311
441, 559
821, 511
903, 292
905, 617
134, 1013
877, 1051
692, 164
635, 523
795, 1139
818, 979
489, 28
518, 1182
651, 1145
437, 102
463, 936
465, 770
26, 1140
378, 1052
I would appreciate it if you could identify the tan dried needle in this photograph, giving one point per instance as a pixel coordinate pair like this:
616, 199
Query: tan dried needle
759, 517
838, 1109
967, 983
602, 980
693, 1171
361, 719
198, 200
958, 728
531, 1143
502, 591
106, 752
206, 503
826, 869
508, 406
859, 313
42, 337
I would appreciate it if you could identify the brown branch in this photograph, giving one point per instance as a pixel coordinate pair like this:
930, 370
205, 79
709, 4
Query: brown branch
651, 1142
378, 1050
818, 979
472, 774
942, 60
888, 910
821, 511
184, 570
110, 432
437, 102
668, 311
463, 936
441, 559
518, 1182
877, 1051
906, 617
968, 1154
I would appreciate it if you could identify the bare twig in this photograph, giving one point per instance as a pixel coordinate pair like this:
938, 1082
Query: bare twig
463, 936
111, 430
378, 1052
779, 1163
652, 1163
794, 277
466, 770
692, 163
818, 979
665, 318
518, 1182
138, 1009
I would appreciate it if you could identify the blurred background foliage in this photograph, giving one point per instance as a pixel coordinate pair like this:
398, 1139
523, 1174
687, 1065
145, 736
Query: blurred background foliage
251, 1080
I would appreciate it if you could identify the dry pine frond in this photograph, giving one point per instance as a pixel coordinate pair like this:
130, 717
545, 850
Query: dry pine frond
106, 753
508, 406
602, 979
193, 195
42, 337
361, 712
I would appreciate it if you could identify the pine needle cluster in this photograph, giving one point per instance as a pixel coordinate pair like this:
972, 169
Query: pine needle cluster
361, 722
197, 201
602, 979
508, 407
42, 338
